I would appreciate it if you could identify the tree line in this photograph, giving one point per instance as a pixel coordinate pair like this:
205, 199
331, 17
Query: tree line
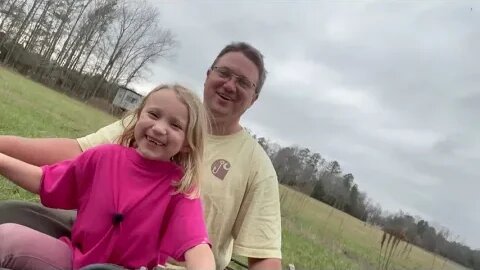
310, 173
86, 48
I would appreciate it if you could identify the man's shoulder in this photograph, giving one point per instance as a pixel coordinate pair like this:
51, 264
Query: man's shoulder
107, 147
259, 157
107, 134
104, 149
259, 154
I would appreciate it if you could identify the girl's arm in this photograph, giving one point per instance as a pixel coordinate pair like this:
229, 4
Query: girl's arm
22, 174
200, 257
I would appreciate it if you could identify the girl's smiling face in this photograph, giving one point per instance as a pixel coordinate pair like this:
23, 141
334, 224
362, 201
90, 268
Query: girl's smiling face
161, 126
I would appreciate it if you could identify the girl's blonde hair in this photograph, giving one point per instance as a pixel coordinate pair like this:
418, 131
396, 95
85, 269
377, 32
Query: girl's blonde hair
195, 135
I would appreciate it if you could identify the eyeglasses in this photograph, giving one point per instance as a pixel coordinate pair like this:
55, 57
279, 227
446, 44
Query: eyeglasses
241, 81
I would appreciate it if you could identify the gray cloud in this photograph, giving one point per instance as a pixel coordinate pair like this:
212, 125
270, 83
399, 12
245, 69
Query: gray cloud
389, 89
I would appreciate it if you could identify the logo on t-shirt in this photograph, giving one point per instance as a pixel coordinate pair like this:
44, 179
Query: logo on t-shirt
220, 168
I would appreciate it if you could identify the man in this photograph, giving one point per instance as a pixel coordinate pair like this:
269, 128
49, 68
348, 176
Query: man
240, 190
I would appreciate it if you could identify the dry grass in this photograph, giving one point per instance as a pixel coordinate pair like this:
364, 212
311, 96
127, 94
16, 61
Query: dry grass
317, 236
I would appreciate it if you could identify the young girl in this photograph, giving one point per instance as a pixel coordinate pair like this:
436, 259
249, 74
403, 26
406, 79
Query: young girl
137, 201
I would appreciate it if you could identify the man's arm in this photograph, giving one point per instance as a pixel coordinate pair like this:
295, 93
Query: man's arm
257, 229
264, 264
46, 151
39, 151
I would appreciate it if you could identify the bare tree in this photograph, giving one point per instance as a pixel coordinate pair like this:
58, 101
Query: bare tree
96, 23
83, 7
157, 46
91, 29
38, 26
7, 12
69, 7
15, 15
22, 28
129, 38
60, 15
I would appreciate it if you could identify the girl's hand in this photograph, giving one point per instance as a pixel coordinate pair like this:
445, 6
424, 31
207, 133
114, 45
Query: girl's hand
200, 258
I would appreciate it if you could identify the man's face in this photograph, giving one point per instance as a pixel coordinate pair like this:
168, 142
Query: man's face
224, 95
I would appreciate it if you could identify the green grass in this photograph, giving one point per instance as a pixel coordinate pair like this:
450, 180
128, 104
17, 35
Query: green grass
315, 236
32, 110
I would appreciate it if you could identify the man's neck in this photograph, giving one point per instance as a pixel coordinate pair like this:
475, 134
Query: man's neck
223, 127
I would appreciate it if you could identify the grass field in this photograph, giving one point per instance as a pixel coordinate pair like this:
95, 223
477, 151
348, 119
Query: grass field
315, 236
29, 109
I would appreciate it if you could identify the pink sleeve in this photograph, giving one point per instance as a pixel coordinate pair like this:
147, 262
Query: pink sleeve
63, 183
186, 228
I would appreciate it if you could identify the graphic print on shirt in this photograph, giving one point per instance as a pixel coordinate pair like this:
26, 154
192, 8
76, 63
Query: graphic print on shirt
220, 168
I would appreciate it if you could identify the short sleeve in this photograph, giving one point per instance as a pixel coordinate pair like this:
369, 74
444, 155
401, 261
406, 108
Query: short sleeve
185, 229
257, 229
63, 183
107, 134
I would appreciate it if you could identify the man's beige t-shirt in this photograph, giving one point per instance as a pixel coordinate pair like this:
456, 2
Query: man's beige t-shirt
239, 192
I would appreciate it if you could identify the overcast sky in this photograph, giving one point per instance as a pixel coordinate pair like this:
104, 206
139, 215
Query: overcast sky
390, 89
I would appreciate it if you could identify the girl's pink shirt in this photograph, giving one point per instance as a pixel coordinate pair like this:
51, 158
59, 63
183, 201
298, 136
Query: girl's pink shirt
128, 213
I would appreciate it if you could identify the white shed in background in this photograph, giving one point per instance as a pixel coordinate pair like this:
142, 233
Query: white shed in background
127, 99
